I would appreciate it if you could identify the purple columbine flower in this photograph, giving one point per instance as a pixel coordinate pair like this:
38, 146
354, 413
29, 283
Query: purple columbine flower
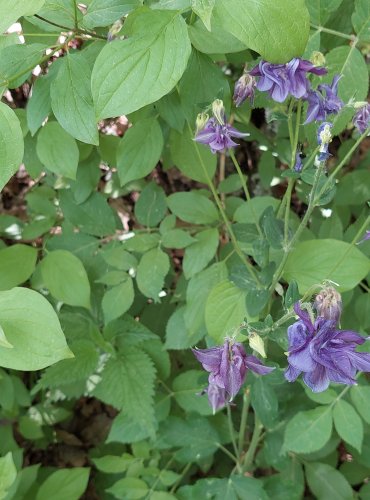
323, 140
361, 120
323, 353
320, 105
328, 304
281, 80
298, 163
227, 366
244, 89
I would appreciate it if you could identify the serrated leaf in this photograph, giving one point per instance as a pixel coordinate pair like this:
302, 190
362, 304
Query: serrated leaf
11, 144
348, 424
151, 272
71, 99
145, 67
17, 263
117, 300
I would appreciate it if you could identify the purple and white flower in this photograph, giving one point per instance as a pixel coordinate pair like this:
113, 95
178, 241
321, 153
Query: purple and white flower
324, 138
244, 89
323, 101
298, 163
361, 120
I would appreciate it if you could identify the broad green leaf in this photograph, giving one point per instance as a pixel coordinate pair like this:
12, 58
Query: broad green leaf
151, 206
284, 24
64, 483
129, 487
217, 40
193, 207
178, 335
348, 424
246, 212
71, 99
360, 395
11, 10
320, 10
140, 150
104, 13
136, 374
353, 188
194, 160
11, 144
17, 62
65, 277
17, 263
8, 473
61, 12
361, 20
313, 261
127, 429
187, 388
326, 483
32, 327
117, 300
199, 254
177, 238
151, 272
132, 73
225, 310
118, 257
265, 402
39, 105
203, 9
111, 464
308, 431
57, 150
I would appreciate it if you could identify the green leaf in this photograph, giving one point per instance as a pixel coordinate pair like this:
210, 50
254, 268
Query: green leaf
216, 41
39, 104
131, 488
64, 483
308, 431
348, 424
151, 272
71, 99
178, 335
11, 144
16, 63
8, 473
193, 207
17, 263
285, 25
32, 327
145, 67
57, 150
203, 9
315, 260
187, 388
190, 157
126, 429
151, 206
361, 20
177, 238
353, 189
118, 300
11, 10
103, 14
320, 10
360, 395
136, 374
139, 151
225, 310
199, 254
65, 277
326, 483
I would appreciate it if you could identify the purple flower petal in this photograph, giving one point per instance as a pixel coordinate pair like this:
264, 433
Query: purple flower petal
298, 335
317, 380
216, 397
360, 360
256, 366
301, 359
209, 358
304, 316
291, 373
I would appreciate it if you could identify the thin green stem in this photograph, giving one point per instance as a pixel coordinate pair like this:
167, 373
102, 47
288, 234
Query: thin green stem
68, 29
333, 32
287, 210
296, 133
249, 456
245, 189
75, 14
243, 420
229, 454
231, 429
182, 474
290, 122
152, 489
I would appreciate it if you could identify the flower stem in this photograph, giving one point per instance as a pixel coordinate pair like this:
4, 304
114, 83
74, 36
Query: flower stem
333, 32
75, 30
243, 421
245, 189
249, 456
231, 429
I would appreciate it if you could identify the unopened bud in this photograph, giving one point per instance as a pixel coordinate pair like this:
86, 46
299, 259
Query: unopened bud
328, 304
360, 104
201, 121
317, 58
218, 110
114, 30
256, 343
244, 88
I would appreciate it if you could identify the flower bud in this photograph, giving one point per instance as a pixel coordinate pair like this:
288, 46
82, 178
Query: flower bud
328, 304
317, 58
324, 137
218, 110
359, 104
256, 343
114, 30
201, 121
244, 88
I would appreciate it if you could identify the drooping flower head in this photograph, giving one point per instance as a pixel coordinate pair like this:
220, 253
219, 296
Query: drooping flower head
323, 353
324, 138
217, 133
282, 80
227, 366
244, 89
361, 120
328, 304
323, 101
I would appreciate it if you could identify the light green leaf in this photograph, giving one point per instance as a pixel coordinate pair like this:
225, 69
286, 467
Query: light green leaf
190, 157
135, 72
360, 395
65, 277
199, 254
64, 483
57, 150
313, 261
203, 9
320, 10
111, 464
11, 144
131, 488
348, 424
32, 327
11, 10
225, 310
139, 151
277, 31
217, 41
353, 189
193, 207
17, 263
177, 238
151, 272
187, 387
151, 206
8, 473
178, 335
104, 13
326, 483
17, 62
71, 99
308, 431
361, 20
118, 300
